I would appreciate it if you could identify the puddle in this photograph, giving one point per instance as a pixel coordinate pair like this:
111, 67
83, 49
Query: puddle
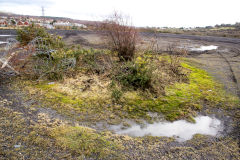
1, 42
181, 129
204, 48
7, 35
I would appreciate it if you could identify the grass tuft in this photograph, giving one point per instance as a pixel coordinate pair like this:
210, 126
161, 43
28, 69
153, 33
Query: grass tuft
84, 141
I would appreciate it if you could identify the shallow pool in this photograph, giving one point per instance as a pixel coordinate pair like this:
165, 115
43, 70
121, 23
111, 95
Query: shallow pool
1, 42
4, 35
204, 48
181, 129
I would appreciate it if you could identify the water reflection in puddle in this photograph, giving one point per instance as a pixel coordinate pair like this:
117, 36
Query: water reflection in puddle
180, 129
7, 35
204, 48
1, 42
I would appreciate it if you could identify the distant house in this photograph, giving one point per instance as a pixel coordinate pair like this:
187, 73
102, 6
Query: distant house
62, 24
3, 23
20, 23
38, 24
3, 17
80, 25
26, 23
48, 26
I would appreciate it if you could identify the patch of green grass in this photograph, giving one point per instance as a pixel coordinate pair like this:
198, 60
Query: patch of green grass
89, 109
206, 88
57, 97
84, 141
182, 100
222, 28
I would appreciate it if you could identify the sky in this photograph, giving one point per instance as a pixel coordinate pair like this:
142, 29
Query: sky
152, 13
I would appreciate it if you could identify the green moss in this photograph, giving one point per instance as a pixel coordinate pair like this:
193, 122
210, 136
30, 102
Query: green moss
57, 97
204, 87
84, 141
182, 100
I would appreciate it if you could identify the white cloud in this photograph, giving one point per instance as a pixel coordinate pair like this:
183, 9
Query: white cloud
143, 12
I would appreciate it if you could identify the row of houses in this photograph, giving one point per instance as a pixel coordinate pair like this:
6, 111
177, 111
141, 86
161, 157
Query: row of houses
13, 23
49, 23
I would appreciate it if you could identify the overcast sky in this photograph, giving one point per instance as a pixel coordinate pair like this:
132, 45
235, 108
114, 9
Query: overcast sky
171, 13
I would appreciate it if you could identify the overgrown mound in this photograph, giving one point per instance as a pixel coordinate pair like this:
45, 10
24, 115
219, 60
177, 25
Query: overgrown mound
99, 85
101, 88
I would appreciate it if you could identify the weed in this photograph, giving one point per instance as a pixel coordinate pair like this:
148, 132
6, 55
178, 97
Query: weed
95, 61
84, 141
135, 75
116, 95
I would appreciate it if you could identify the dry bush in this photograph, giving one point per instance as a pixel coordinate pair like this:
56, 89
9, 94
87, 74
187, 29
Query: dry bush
175, 55
122, 37
94, 61
153, 47
165, 73
149, 73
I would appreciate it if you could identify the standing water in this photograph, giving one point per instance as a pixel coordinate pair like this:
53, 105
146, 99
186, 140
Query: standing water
4, 38
180, 129
1, 42
204, 48
3, 35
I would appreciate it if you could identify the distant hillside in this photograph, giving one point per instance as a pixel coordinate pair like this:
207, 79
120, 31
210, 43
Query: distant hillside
85, 22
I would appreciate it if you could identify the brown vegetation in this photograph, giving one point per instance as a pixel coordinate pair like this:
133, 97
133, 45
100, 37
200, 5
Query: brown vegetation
122, 37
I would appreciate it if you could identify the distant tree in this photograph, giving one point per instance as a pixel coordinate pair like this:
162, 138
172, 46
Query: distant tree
208, 27
13, 22
54, 21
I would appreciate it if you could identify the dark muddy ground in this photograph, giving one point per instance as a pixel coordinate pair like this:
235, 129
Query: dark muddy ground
223, 64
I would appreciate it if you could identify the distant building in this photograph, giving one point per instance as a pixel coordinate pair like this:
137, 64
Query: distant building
20, 23
79, 25
63, 24
3, 23
26, 23
48, 26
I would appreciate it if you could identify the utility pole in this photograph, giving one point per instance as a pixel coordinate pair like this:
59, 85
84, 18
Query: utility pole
43, 15
42, 11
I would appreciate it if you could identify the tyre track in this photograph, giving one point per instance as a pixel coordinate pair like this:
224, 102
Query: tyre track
234, 79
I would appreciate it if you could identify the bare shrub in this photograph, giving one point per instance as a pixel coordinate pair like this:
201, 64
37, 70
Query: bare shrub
175, 55
122, 37
95, 61
153, 45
